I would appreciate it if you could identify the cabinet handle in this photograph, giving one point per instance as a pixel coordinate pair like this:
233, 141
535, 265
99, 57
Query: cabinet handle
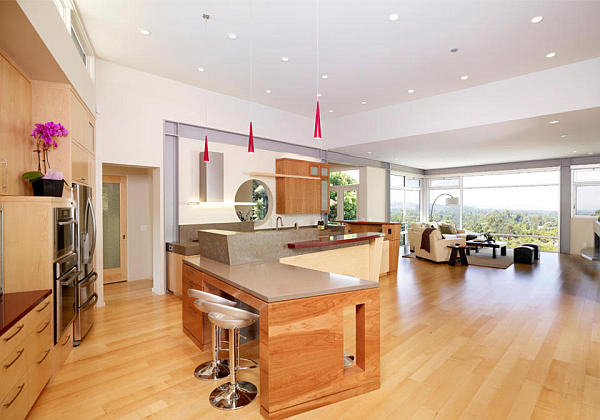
8, 404
44, 327
19, 353
66, 340
43, 307
44, 358
19, 328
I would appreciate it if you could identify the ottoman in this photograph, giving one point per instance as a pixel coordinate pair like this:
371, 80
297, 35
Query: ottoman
524, 255
536, 250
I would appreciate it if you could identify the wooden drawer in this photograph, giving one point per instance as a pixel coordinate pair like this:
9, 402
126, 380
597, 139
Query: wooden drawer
63, 348
19, 400
19, 331
33, 348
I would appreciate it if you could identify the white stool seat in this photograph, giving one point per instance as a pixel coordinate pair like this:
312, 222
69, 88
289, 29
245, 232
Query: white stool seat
228, 322
209, 297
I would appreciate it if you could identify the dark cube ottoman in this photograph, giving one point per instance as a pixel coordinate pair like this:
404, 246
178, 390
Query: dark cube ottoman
536, 250
524, 254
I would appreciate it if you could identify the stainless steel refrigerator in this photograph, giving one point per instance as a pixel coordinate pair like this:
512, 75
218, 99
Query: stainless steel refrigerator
85, 238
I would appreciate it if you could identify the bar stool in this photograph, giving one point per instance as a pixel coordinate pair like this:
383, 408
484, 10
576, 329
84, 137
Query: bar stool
234, 394
216, 368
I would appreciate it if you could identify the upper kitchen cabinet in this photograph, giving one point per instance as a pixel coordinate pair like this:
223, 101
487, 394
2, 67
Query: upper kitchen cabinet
303, 191
74, 156
15, 125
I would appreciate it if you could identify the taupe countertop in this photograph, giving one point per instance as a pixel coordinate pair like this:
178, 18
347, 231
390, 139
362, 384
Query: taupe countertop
272, 281
184, 248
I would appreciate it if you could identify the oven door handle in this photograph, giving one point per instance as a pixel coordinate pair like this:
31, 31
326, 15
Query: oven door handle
65, 222
89, 281
67, 274
89, 302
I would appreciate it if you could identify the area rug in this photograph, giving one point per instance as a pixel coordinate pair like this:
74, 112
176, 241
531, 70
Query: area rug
483, 259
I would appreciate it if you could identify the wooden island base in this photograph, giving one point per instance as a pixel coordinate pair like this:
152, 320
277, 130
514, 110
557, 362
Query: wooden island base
301, 344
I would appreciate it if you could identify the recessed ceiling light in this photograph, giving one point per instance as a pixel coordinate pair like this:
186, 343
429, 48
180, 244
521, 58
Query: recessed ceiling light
537, 19
232, 35
331, 110
550, 54
145, 31
574, 151
554, 122
285, 59
590, 153
394, 17
369, 152
363, 102
324, 76
563, 136
201, 69
319, 95
465, 77
411, 91
453, 50
268, 91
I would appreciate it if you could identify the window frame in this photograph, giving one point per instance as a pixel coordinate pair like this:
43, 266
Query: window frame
340, 189
575, 184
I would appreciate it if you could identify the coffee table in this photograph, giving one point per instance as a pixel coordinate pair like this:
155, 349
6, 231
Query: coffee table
494, 245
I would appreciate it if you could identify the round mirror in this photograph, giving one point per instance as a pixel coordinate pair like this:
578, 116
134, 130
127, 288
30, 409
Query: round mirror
256, 192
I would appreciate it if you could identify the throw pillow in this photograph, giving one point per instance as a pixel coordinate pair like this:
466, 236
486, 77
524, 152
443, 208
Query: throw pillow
453, 229
445, 228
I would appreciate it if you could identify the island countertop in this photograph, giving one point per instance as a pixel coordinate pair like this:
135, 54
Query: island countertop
336, 240
272, 281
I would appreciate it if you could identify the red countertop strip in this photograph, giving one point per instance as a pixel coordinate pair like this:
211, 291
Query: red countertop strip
335, 240
14, 306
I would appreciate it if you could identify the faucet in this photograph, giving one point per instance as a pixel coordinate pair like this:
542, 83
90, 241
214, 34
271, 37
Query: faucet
277, 222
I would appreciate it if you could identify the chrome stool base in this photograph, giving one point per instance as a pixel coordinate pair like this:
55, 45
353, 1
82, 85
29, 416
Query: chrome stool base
230, 397
211, 371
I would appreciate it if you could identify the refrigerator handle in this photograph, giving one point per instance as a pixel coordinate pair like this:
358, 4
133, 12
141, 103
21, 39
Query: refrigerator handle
91, 209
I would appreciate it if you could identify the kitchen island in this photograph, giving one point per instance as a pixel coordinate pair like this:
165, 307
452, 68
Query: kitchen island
301, 329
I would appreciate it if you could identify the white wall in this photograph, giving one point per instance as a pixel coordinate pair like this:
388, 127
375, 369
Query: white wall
582, 233
237, 163
139, 220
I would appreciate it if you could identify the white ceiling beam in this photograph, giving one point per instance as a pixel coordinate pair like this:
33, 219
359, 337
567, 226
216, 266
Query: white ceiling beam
560, 89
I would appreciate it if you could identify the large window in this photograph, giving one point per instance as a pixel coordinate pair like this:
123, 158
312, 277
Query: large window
343, 195
586, 191
516, 207
405, 198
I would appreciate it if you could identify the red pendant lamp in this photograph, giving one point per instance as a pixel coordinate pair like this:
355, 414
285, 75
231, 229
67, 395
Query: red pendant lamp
317, 134
251, 140
206, 159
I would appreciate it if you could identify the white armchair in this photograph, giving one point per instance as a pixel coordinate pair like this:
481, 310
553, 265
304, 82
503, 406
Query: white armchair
439, 251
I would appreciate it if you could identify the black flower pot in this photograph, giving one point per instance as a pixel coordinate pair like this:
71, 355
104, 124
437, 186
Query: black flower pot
48, 187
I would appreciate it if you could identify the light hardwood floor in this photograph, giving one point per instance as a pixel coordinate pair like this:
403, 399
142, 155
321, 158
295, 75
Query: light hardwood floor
456, 342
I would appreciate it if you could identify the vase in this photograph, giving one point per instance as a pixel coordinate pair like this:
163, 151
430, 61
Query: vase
48, 187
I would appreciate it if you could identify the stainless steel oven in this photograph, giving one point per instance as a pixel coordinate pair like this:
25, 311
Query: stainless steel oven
65, 291
64, 231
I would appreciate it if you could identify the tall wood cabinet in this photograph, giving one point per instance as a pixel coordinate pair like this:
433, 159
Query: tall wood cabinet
15, 125
307, 194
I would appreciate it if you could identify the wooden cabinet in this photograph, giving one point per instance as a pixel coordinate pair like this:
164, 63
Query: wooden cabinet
26, 351
174, 272
75, 155
302, 195
392, 232
80, 168
16, 145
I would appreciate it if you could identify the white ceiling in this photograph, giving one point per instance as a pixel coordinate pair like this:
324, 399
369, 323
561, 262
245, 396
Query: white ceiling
366, 56
511, 141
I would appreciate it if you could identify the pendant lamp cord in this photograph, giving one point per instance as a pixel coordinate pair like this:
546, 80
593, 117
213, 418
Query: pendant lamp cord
251, 56
206, 17
318, 52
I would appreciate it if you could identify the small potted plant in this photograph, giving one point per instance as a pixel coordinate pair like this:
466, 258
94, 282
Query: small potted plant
50, 182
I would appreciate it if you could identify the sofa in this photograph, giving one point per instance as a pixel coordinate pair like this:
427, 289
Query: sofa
439, 251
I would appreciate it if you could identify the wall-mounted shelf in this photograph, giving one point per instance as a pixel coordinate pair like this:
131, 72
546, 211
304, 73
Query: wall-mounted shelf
267, 174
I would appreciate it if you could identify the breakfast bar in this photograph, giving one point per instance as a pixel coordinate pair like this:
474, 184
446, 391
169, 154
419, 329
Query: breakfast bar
302, 330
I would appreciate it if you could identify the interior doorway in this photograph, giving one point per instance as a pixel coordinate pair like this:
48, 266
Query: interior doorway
114, 228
